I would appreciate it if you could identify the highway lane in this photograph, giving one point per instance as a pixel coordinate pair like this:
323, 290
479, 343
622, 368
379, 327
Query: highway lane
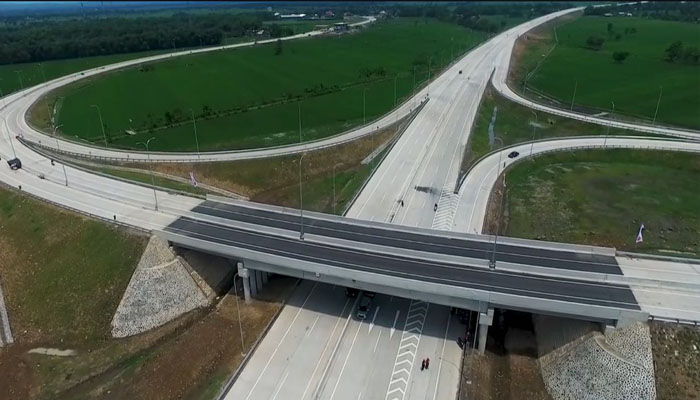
393, 236
313, 250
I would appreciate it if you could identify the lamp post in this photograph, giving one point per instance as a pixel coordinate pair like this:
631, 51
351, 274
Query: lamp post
301, 201
334, 187
65, 175
9, 138
41, 66
661, 90
574, 97
196, 140
300, 141
492, 261
238, 308
605, 141
19, 76
395, 77
153, 182
102, 125
534, 127
364, 106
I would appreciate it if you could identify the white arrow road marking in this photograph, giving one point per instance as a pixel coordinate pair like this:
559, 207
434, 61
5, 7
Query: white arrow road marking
393, 327
371, 324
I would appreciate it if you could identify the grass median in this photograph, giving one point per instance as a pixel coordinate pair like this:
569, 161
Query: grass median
601, 197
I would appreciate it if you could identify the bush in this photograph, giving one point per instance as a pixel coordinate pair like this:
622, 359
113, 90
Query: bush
620, 56
594, 42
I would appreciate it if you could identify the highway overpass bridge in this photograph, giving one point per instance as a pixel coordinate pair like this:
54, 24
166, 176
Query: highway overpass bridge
435, 266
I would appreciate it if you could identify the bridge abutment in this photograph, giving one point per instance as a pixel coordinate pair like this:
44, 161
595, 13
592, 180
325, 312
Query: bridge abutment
485, 320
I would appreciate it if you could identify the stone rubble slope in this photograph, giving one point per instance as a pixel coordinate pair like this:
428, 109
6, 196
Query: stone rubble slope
160, 290
618, 366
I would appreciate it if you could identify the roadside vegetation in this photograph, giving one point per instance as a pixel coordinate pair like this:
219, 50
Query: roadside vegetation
515, 124
602, 197
253, 97
635, 63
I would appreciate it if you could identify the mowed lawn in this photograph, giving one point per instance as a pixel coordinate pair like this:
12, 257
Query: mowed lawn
633, 85
262, 92
601, 198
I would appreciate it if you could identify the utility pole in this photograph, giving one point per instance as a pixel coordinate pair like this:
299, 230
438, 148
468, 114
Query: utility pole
65, 175
196, 140
240, 326
395, 77
364, 108
301, 201
153, 182
102, 125
574, 97
657, 104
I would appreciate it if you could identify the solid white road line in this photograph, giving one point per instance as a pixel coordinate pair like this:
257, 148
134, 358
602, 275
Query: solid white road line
280, 387
340, 377
442, 354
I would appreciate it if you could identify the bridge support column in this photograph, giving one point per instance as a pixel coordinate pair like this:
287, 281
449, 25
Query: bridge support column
244, 273
485, 320
265, 277
253, 283
259, 280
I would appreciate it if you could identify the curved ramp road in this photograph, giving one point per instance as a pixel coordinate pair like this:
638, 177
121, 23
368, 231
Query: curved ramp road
662, 288
499, 82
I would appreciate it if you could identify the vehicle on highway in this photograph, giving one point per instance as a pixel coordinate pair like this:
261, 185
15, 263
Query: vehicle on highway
369, 294
513, 154
363, 308
14, 164
460, 72
351, 292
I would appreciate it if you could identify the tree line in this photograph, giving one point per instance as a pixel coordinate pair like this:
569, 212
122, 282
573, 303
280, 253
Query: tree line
27, 41
688, 11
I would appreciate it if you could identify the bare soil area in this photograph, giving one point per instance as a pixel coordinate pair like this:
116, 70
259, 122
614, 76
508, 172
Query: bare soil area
676, 350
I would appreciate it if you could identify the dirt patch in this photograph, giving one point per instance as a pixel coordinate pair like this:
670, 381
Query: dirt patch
676, 351
211, 347
496, 219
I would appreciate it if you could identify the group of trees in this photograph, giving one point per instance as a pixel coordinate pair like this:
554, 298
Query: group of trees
27, 41
678, 53
687, 11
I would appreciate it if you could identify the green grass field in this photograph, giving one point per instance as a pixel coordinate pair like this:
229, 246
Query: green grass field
633, 85
601, 198
52, 261
326, 73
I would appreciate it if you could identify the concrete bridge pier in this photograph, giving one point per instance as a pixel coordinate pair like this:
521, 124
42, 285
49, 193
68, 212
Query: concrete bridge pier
244, 273
485, 320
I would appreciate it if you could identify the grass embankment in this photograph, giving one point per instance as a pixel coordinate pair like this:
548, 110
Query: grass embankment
251, 97
601, 198
145, 177
676, 352
517, 124
634, 84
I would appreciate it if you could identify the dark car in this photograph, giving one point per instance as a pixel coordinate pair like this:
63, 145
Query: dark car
513, 154
460, 72
369, 294
364, 307
351, 292
15, 163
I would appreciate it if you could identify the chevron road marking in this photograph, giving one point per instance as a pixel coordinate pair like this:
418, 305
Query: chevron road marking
406, 353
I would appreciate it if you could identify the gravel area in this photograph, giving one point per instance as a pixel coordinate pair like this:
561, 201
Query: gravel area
160, 290
613, 367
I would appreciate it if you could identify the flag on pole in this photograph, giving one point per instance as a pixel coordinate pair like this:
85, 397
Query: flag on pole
639, 235
192, 180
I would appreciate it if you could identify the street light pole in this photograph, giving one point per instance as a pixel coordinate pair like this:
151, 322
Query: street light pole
300, 141
238, 308
65, 175
153, 182
102, 125
492, 261
196, 140
395, 89
301, 201
574, 97
41, 66
19, 76
9, 138
657, 104
534, 127
605, 141
334, 187
364, 106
